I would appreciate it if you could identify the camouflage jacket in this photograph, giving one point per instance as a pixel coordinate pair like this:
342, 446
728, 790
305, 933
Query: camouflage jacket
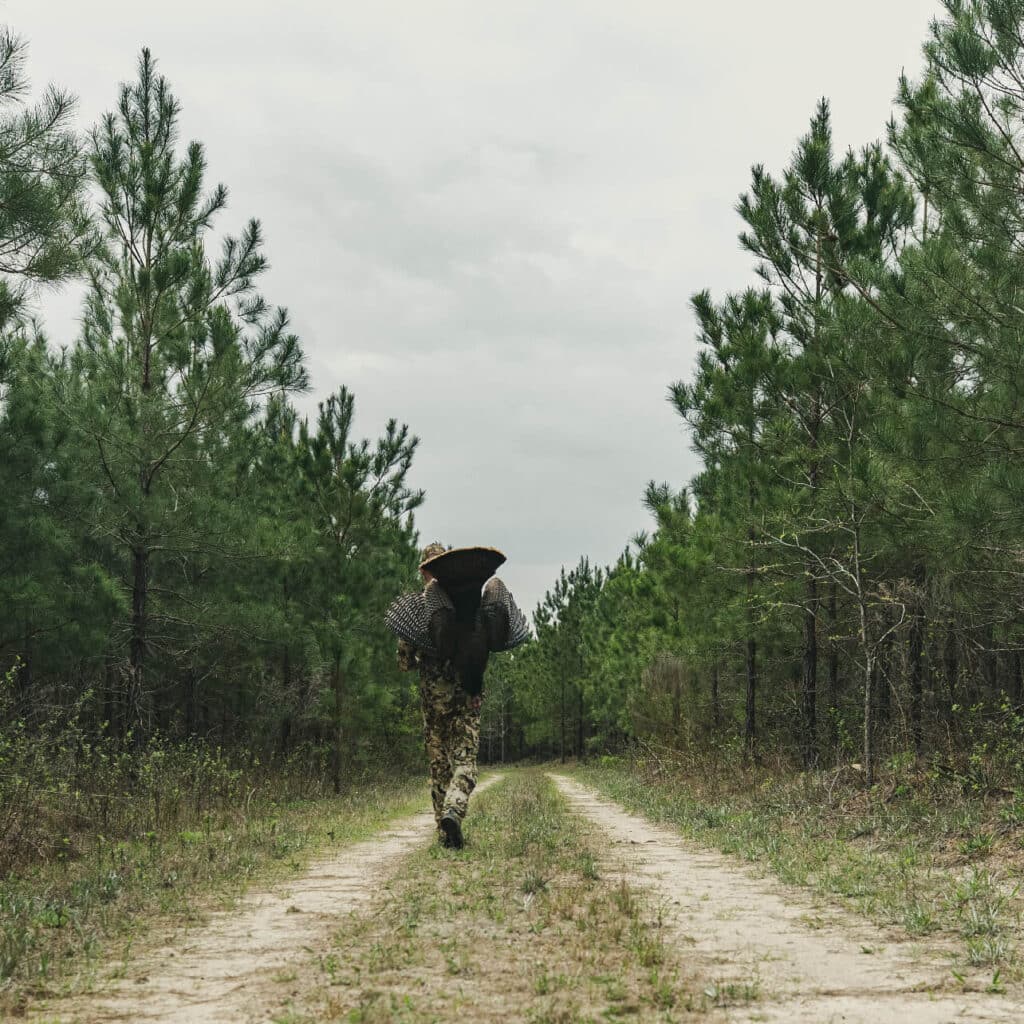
430, 668
410, 658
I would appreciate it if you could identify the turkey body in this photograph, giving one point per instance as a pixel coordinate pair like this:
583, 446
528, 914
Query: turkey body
460, 625
459, 629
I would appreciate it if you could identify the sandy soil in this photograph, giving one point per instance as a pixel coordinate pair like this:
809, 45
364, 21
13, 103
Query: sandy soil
747, 930
223, 973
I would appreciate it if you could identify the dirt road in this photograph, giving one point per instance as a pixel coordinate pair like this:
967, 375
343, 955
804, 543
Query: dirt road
222, 973
771, 940
756, 949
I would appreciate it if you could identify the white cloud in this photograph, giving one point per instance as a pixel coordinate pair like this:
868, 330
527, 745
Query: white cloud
487, 219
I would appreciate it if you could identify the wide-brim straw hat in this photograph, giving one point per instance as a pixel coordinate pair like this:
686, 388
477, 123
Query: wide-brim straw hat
461, 568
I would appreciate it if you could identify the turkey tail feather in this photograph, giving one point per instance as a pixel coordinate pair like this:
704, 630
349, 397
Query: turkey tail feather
407, 618
504, 623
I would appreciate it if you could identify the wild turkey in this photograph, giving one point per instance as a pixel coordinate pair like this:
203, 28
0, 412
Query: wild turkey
462, 615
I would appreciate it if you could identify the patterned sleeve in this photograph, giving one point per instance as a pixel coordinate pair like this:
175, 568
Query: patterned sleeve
406, 656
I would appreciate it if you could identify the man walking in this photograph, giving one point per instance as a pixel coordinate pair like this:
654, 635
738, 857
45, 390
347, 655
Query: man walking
447, 632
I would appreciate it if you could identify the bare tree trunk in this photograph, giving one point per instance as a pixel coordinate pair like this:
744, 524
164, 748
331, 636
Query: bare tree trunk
867, 651
137, 646
23, 677
240, 708
809, 673
917, 683
336, 758
750, 720
809, 689
285, 734
504, 727
716, 705
677, 704
191, 700
869, 753
562, 722
883, 676
989, 664
951, 658
833, 663
111, 702
580, 729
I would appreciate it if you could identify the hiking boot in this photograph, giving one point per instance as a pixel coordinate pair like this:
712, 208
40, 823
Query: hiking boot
451, 831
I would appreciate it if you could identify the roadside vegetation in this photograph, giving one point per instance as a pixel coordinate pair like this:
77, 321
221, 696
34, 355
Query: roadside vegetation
151, 844
184, 558
916, 854
814, 656
524, 923
817, 646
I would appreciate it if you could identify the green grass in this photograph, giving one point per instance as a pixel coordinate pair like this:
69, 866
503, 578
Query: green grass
923, 860
520, 925
61, 919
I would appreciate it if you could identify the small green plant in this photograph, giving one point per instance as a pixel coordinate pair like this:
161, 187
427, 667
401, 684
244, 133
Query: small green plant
919, 918
979, 846
533, 883
733, 993
588, 866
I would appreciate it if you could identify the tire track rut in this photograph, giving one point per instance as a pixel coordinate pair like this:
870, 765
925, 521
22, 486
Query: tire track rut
753, 931
222, 972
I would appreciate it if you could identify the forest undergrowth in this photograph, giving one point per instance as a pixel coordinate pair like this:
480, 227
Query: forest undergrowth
99, 843
921, 852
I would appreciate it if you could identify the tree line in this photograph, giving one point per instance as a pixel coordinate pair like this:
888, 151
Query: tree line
182, 554
841, 582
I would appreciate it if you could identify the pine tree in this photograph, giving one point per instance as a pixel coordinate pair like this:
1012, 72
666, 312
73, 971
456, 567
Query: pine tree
731, 407
806, 229
44, 232
55, 597
361, 508
954, 313
177, 347
44, 227
560, 622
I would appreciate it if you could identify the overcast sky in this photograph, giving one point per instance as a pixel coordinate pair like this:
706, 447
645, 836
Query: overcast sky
486, 218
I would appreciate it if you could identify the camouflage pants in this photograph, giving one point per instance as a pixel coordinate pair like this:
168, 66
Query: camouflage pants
451, 725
